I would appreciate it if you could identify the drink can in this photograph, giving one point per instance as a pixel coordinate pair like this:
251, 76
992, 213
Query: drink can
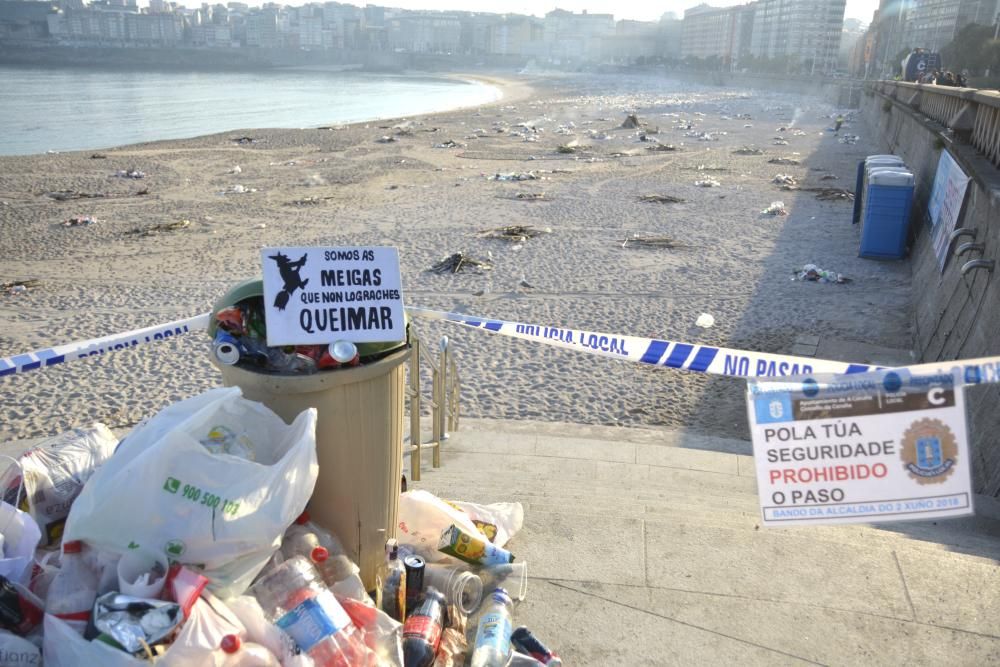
527, 643
415, 567
226, 348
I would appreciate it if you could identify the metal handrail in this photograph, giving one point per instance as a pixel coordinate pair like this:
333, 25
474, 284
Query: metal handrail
445, 393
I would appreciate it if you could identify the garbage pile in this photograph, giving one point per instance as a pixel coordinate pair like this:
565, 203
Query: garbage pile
775, 208
811, 272
185, 544
515, 233
458, 262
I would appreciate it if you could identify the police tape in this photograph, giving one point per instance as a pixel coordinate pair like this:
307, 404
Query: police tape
52, 356
653, 351
705, 358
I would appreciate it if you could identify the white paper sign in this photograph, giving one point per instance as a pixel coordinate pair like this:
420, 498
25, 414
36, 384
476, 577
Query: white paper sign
945, 204
314, 296
861, 448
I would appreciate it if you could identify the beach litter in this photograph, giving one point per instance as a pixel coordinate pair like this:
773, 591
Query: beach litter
385, 139
812, 273
451, 143
775, 208
571, 147
80, 221
832, 194
631, 122
238, 190
98, 156
780, 142
748, 150
130, 173
515, 233
783, 160
530, 196
458, 262
829, 177
162, 227
705, 321
516, 176
650, 242
308, 201
661, 199
785, 180
849, 139
16, 287
235, 170
662, 148
244, 140
707, 183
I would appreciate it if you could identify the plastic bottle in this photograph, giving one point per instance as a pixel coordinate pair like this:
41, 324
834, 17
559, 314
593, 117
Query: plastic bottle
461, 588
422, 630
493, 632
319, 546
245, 654
390, 583
72, 592
296, 600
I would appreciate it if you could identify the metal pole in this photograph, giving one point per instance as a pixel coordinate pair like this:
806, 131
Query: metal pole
415, 409
438, 402
444, 389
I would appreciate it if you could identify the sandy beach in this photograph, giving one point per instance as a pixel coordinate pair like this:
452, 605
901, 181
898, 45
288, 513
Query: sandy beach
341, 186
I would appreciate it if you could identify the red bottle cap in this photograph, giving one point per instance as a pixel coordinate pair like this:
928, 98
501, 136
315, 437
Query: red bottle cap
231, 644
303, 519
73, 547
319, 554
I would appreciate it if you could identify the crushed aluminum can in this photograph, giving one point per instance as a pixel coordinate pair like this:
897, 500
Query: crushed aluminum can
132, 621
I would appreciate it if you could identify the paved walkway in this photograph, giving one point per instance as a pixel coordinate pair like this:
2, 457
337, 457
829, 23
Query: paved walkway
643, 548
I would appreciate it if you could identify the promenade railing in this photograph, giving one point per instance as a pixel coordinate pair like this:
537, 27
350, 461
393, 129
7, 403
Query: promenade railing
444, 401
973, 115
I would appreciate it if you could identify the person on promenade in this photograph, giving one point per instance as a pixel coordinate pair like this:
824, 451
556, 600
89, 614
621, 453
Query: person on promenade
837, 123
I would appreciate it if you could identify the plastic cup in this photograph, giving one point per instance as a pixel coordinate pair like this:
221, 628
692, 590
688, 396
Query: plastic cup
131, 568
461, 588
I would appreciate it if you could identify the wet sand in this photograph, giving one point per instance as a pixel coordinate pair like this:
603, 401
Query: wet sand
735, 263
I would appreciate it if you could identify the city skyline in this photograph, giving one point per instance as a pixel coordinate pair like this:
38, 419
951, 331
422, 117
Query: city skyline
636, 10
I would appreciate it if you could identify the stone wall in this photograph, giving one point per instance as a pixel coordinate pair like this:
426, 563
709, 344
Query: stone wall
955, 316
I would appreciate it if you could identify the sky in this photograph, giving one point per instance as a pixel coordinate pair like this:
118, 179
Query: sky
641, 10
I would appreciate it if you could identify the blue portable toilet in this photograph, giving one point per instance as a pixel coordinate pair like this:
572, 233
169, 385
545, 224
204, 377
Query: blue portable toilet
885, 213
864, 167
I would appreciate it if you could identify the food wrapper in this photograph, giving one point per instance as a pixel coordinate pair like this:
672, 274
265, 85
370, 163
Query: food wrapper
132, 621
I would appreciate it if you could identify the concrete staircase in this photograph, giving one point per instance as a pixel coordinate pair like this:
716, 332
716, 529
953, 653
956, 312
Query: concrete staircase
643, 548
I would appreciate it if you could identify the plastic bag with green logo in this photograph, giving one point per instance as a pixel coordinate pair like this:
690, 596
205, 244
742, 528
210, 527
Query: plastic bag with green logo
212, 482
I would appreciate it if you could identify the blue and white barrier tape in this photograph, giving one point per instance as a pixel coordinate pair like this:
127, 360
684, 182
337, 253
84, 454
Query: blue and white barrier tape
670, 354
51, 356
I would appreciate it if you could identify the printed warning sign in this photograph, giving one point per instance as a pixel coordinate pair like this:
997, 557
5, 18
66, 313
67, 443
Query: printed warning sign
862, 448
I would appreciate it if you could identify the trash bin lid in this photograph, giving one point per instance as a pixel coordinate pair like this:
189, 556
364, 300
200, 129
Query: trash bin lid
254, 287
872, 158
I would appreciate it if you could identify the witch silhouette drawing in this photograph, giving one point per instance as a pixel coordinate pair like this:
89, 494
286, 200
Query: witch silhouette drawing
289, 271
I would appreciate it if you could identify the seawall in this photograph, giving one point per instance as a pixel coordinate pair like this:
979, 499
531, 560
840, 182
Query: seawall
956, 316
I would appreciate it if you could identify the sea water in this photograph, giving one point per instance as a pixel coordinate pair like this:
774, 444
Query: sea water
63, 109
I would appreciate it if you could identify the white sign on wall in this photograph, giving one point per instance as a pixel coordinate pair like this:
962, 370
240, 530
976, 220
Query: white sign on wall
862, 448
945, 204
321, 295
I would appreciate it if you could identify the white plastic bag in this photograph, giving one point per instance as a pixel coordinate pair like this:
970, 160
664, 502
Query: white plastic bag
164, 491
17, 651
423, 517
64, 647
261, 631
21, 536
201, 635
55, 471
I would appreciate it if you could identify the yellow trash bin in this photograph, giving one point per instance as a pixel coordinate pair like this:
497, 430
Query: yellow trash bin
359, 444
